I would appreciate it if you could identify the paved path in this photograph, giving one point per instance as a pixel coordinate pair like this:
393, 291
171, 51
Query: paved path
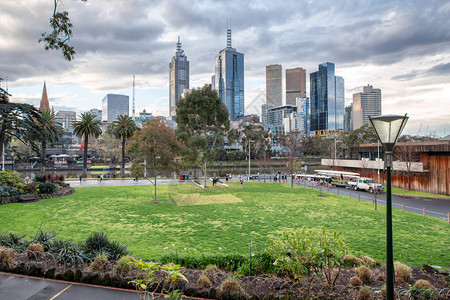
14, 287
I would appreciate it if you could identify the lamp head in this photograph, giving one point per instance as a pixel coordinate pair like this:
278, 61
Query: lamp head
388, 128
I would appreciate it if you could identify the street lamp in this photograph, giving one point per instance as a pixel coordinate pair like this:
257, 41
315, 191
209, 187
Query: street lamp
388, 128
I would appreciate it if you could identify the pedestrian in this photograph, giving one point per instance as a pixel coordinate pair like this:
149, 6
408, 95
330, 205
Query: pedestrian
242, 182
101, 178
309, 180
81, 177
226, 177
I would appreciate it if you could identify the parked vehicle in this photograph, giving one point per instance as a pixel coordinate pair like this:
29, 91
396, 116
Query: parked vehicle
366, 184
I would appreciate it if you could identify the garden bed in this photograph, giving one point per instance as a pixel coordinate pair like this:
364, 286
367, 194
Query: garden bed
65, 191
255, 287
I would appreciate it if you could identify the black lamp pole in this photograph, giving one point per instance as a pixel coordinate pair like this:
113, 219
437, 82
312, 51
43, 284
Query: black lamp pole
388, 128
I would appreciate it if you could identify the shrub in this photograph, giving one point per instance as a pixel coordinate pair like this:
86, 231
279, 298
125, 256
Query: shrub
123, 266
231, 286
230, 262
44, 238
422, 289
47, 188
13, 240
352, 260
368, 261
31, 188
355, 281
203, 282
98, 242
69, 251
424, 284
8, 191
35, 250
99, 262
402, 272
364, 273
211, 272
8, 256
12, 179
364, 294
308, 251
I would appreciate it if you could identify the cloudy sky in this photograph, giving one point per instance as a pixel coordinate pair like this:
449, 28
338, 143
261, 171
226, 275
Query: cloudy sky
402, 47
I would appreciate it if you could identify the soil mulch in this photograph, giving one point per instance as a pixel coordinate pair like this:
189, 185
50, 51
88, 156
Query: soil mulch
262, 286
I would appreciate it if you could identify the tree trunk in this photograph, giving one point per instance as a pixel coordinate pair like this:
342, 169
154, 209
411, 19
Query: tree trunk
123, 157
204, 170
154, 172
2, 136
85, 155
43, 149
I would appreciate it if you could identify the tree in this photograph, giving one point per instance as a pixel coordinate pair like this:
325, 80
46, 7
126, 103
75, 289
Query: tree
363, 135
123, 128
254, 141
49, 131
155, 146
202, 120
86, 127
108, 147
17, 120
59, 38
409, 157
292, 143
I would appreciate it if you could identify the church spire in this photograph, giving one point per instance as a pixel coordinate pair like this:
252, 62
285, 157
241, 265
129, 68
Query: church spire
44, 101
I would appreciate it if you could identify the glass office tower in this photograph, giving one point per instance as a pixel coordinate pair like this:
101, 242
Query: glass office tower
114, 105
229, 79
327, 99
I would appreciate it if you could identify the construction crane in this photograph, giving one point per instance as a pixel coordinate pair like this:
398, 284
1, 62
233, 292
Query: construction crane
134, 85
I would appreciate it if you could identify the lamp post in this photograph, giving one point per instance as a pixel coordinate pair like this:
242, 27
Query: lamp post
388, 128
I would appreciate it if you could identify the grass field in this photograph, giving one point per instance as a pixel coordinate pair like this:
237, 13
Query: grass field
218, 219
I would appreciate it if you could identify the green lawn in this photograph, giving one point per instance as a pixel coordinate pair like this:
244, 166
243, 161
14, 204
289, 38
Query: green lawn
416, 193
128, 215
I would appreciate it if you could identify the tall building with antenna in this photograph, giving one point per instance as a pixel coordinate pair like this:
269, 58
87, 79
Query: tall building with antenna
178, 78
229, 79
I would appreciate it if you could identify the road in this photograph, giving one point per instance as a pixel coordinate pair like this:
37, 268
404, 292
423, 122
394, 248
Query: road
434, 207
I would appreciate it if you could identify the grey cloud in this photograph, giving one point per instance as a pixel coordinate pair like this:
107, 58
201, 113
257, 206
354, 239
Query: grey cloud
405, 77
439, 70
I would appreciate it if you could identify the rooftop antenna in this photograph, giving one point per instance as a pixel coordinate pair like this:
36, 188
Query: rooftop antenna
229, 33
133, 95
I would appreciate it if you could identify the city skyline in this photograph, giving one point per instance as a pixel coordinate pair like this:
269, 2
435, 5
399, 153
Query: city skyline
408, 60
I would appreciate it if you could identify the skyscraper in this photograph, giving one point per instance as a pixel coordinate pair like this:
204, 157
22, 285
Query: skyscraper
295, 85
365, 104
274, 85
178, 78
327, 99
114, 105
229, 79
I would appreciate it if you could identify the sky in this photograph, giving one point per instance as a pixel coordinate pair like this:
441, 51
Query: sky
401, 47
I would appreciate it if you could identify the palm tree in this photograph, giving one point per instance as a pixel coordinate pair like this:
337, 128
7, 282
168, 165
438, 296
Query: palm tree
86, 126
49, 131
123, 128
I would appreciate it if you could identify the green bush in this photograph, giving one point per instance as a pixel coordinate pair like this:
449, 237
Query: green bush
98, 243
48, 188
12, 179
309, 253
31, 188
8, 191
230, 262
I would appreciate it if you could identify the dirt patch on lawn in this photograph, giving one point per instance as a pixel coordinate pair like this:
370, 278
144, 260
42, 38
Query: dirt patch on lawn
199, 199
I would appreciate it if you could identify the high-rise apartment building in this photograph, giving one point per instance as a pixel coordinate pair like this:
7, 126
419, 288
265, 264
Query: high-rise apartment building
229, 79
348, 118
178, 78
97, 113
114, 105
264, 110
66, 119
327, 99
365, 104
274, 82
303, 105
295, 85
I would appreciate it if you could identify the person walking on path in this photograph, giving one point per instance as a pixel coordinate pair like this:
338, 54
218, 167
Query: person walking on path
242, 182
81, 177
101, 178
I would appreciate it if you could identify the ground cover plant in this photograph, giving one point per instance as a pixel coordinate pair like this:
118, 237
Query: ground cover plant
126, 214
